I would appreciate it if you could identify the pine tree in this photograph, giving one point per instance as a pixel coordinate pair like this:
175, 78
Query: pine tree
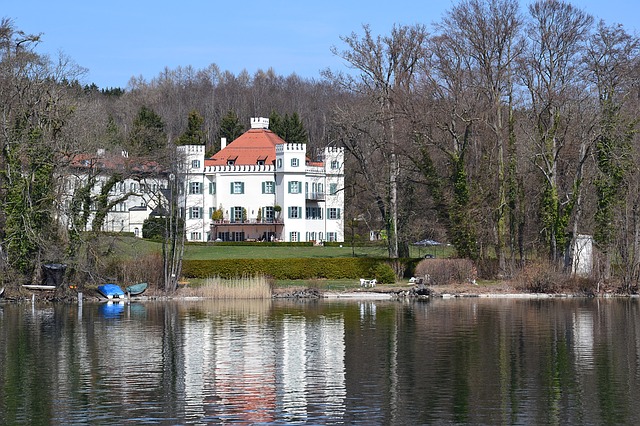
147, 135
289, 128
194, 135
230, 126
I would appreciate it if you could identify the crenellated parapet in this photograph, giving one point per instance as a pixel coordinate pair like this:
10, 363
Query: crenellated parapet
241, 168
291, 147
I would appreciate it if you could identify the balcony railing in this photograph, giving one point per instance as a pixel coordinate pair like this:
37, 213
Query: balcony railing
315, 196
247, 221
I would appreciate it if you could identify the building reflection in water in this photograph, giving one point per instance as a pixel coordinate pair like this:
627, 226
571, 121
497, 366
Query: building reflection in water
249, 368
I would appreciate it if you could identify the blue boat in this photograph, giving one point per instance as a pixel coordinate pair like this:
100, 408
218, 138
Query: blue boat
111, 291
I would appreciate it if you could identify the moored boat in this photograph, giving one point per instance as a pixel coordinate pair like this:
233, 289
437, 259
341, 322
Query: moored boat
111, 291
136, 289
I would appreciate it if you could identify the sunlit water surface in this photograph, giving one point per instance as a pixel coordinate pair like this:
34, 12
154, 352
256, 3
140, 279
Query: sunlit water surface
467, 361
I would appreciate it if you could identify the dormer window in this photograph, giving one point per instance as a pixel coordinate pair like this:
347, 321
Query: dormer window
260, 163
231, 162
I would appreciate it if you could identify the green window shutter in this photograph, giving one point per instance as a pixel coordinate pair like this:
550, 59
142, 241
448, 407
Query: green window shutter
190, 214
299, 212
264, 187
338, 215
290, 187
201, 213
242, 187
231, 191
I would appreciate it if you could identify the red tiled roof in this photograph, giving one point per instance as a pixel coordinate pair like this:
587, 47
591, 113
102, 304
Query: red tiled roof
251, 146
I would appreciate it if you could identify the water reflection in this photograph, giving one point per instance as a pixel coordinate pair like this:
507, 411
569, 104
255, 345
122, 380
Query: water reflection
370, 362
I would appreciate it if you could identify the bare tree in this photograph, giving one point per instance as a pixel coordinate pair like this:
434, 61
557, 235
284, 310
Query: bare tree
552, 77
385, 74
611, 58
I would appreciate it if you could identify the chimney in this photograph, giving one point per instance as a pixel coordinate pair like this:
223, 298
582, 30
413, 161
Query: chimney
223, 143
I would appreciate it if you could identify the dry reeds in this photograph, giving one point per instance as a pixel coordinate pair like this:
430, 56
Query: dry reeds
258, 287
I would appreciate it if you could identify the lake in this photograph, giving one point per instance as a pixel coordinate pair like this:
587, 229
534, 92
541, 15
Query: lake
466, 361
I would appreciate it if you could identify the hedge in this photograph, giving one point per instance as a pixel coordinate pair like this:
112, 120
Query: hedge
290, 269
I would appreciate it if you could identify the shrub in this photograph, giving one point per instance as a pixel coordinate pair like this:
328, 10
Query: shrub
283, 269
383, 273
446, 271
544, 277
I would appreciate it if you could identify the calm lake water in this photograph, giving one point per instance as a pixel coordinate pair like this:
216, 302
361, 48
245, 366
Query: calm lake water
466, 361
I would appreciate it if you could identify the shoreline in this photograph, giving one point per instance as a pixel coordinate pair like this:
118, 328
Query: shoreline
382, 292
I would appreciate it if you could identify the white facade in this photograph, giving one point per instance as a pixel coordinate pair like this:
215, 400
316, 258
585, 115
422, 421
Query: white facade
132, 200
310, 194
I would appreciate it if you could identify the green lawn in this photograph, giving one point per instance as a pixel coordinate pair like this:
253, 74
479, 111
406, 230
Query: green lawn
130, 247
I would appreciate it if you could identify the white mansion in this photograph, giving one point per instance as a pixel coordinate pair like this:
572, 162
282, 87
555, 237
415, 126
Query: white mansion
259, 187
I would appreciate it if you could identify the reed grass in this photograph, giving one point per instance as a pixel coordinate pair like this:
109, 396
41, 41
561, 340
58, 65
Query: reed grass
258, 287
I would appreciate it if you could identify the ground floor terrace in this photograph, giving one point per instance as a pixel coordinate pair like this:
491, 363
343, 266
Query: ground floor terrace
248, 230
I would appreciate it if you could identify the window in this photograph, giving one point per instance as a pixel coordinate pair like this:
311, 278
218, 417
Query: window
196, 236
195, 212
295, 187
333, 188
293, 236
211, 210
212, 188
295, 212
237, 187
314, 213
332, 236
195, 164
333, 213
268, 187
237, 214
279, 163
133, 187
295, 162
335, 164
195, 188
268, 214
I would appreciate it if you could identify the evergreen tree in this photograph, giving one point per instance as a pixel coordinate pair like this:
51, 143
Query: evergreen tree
147, 136
230, 126
275, 123
289, 128
194, 135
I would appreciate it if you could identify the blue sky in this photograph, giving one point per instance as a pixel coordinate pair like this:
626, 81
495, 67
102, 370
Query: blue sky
118, 39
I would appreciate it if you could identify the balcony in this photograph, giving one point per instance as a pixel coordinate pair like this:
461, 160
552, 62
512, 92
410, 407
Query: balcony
266, 221
315, 196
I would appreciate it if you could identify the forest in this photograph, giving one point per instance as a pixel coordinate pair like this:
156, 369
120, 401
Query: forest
505, 131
